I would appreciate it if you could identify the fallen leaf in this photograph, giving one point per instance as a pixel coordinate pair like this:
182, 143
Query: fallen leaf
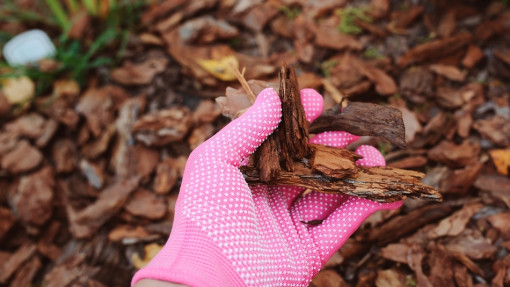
221, 68
501, 159
18, 90
166, 176
237, 100
151, 250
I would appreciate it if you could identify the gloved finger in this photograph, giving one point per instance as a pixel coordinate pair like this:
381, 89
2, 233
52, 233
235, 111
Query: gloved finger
243, 135
332, 233
317, 206
313, 104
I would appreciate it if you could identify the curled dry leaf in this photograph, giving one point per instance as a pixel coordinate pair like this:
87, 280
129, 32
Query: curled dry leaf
139, 74
237, 100
162, 127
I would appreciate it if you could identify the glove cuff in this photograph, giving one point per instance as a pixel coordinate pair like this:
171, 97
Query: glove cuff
191, 258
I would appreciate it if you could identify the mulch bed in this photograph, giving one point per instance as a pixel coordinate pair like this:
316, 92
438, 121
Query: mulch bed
89, 177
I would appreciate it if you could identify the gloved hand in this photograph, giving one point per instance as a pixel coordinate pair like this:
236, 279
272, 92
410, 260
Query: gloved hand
226, 234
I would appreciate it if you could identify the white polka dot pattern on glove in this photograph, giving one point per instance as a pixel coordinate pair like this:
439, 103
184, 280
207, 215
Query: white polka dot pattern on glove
226, 234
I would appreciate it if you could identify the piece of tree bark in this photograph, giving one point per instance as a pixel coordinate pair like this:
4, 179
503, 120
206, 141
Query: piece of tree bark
364, 119
292, 132
383, 184
286, 158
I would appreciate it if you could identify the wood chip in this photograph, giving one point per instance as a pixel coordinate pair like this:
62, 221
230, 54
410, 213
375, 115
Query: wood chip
32, 199
139, 74
435, 49
454, 155
449, 72
23, 157
163, 127
84, 223
7, 221
146, 204
15, 260
455, 224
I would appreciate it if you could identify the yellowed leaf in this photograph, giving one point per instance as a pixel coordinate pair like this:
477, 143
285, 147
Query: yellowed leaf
221, 68
18, 90
150, 251
501, 159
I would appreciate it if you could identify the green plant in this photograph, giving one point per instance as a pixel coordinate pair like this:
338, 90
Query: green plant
326, 67
372, 53
384, 147
410, 281
348, 18
290, 13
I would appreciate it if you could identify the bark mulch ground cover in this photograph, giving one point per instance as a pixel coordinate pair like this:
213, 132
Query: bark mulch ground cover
90, 173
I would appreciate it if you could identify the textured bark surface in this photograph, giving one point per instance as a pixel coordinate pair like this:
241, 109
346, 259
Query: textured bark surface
364, 119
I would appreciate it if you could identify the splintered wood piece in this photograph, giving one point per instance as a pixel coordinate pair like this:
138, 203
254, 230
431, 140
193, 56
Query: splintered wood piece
333, 162
364, 119
381, 184
292, 132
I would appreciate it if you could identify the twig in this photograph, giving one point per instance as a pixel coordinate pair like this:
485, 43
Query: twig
244, 83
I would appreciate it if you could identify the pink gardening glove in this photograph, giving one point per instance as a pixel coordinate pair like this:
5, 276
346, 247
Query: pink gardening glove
226, 234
